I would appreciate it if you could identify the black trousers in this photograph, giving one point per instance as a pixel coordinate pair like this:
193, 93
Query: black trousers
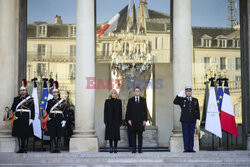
133, 139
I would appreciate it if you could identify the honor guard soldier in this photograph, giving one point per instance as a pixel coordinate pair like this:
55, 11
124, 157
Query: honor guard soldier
190, 115
56, 108
24, 110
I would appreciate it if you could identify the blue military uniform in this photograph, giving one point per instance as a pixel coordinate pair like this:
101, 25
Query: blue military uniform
189, 114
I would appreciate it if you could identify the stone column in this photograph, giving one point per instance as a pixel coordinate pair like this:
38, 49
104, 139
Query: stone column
8, 64
245, 69
84, 138
182, 65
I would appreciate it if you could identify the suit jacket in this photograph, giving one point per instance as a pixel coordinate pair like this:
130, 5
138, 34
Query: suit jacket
189, 110
137, 113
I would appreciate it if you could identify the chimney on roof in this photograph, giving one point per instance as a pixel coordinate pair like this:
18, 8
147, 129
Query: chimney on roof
58, 20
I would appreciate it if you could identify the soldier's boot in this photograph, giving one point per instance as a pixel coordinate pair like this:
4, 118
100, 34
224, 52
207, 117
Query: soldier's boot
58, 150
53, 145
19, 145
26, 142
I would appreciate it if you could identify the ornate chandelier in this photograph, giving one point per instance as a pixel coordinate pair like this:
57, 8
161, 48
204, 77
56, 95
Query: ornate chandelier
130, 58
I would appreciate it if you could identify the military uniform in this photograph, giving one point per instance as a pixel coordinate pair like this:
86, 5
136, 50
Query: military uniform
56, 116
189, 114
24, 110
56, 109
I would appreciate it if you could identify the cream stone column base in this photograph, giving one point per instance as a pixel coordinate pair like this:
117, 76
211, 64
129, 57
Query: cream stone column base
85, 141
83, 144
248, 142
176, 143
7, 142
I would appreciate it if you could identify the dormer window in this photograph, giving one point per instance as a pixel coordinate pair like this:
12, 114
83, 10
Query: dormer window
237, 43
42, 30
221, 41
206, 41
73, 31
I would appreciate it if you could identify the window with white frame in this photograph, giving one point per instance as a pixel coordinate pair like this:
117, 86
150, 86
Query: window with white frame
41, 50
72, 50
206, 42
237, 63
42, 30
72, 68
206, 62
105, 48
237, 43
222, 63
41, 69
73, 31
223, 43
156, 43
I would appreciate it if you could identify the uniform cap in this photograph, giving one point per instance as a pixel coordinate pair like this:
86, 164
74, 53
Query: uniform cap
188, 88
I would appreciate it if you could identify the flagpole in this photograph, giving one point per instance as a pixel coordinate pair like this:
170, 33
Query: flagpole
128, 16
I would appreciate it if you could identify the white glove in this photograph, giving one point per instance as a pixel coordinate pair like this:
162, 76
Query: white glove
63, 123
31, 121
182, 94
197, 122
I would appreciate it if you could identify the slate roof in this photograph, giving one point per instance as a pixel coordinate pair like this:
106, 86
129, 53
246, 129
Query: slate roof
198, 32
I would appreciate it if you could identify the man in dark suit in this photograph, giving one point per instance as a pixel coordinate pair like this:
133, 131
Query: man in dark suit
136, 117
190, 115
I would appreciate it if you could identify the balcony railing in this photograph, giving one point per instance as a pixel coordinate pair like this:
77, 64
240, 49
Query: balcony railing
51, 57
233, 85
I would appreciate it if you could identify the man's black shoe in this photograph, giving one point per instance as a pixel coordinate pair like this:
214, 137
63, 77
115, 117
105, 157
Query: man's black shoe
20, 151
111, 150
53, 151
134, 151
192, 151
115, 150
186, 151
139, 151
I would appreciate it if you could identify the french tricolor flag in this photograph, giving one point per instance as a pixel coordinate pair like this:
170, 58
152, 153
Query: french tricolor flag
112, 25
227, 118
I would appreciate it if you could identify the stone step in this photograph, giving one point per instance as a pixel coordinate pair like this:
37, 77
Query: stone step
202, 158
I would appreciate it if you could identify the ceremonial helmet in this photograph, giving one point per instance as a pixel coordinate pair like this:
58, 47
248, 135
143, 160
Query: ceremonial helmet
24, 85
56, 85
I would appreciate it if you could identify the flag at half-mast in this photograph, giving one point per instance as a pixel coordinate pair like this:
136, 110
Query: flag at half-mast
212, 118
227, 117
113, 24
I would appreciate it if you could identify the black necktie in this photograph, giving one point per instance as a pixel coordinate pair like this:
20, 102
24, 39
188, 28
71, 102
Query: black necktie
137, 101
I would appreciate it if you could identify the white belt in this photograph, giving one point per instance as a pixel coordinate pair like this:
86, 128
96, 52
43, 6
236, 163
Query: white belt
24, 110
56, 112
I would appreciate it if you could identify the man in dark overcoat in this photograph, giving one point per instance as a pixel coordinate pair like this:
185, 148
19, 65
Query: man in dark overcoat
136, 117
